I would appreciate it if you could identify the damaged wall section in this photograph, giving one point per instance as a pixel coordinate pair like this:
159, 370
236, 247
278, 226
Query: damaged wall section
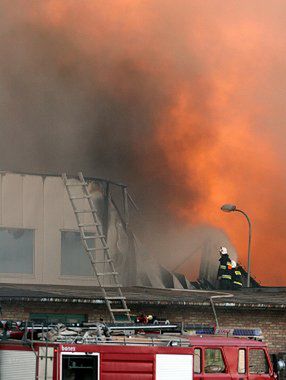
36, 208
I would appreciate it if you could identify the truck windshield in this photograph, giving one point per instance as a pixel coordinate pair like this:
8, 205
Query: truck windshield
214, 362
258, 362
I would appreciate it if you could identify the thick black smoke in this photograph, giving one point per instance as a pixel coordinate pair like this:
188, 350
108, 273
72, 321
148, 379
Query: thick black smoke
70, 104
95, 86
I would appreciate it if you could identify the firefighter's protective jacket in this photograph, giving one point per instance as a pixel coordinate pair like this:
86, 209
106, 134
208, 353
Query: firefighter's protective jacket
225, 268
236, 277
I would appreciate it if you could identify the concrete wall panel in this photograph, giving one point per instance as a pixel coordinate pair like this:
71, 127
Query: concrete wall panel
40, 203
12, 200
69, 219
33, 201
33, 217
1, 175
53, 223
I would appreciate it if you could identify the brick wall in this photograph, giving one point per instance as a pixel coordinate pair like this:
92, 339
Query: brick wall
271, 322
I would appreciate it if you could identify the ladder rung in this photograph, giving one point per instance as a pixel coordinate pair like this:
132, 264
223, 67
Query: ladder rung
96, 249
90, 237
101, 262
119, 310
115, 298
88, 225
95, 237
76, 184
123, 321
108, 274
80, 197
112, 286
85, 211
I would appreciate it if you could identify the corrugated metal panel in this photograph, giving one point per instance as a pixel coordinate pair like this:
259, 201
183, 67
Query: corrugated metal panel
53, 222
12, 196
1, 175
33, 217
69, 220
33, 202
174, 367
16, 365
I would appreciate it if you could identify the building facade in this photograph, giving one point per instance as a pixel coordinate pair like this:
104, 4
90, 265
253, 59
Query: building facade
40, 241
39, 238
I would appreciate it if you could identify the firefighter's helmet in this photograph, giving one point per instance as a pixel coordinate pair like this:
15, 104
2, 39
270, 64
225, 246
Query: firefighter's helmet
223, 251
233, 263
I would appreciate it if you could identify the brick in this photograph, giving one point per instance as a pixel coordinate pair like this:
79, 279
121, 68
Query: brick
272, 322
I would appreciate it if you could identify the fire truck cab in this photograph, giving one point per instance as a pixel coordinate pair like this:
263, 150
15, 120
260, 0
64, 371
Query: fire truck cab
223, 358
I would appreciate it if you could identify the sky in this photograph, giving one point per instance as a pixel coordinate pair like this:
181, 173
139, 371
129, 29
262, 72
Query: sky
184, 101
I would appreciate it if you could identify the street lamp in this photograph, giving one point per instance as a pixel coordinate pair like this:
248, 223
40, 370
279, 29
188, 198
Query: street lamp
230, 208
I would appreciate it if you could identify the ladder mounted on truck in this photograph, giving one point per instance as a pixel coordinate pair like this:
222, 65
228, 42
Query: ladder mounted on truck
95, 245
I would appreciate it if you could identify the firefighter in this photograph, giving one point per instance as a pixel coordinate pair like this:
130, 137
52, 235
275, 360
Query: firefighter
236, 276
224, 270
152, 319
142, 318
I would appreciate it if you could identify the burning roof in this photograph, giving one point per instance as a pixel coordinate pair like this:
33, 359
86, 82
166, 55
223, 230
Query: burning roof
182, 100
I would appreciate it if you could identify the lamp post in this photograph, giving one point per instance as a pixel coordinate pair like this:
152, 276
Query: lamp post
231, 208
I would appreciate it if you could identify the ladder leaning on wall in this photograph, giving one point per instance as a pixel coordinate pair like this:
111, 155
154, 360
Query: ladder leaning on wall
95, 245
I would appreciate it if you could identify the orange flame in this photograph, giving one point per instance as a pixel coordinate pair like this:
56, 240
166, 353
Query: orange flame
231, 162
217, 69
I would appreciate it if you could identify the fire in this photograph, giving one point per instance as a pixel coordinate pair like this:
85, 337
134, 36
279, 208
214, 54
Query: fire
185, 98
228, 160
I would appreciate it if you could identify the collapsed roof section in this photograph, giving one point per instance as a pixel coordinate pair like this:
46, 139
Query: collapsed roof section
40, 242
133, 263
40, 238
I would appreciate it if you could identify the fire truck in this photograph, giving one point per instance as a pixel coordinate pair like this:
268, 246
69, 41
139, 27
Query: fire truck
143, 359
140, 357
95, 354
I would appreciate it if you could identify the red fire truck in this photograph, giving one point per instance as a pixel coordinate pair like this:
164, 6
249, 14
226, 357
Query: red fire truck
228, 358
162, 358
118, 360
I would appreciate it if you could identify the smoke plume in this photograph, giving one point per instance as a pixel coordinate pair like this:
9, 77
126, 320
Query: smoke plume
183, 101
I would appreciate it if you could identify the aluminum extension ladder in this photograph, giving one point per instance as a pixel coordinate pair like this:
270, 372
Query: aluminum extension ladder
95, 245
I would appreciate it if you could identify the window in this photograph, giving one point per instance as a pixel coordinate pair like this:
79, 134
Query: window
16, 250
214, 362
258, 362
197, 360
80, 366
74, 260
57, 318
241, 361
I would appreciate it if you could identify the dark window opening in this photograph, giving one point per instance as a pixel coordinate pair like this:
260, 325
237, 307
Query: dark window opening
80, 367
74, 259
16, 250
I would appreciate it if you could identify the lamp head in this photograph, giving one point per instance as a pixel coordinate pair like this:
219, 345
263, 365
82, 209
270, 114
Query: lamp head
228, 207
